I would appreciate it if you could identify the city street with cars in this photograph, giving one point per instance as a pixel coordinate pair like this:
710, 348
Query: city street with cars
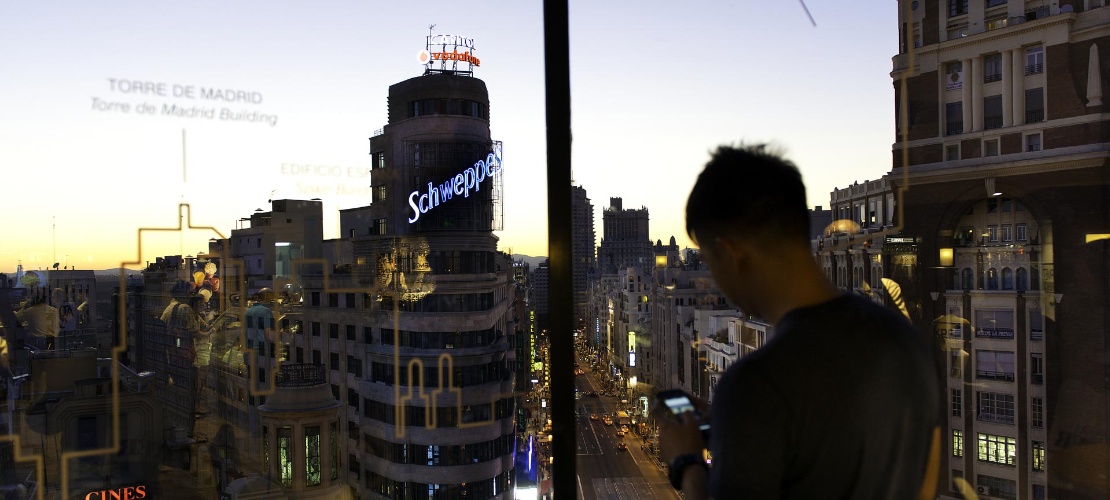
613, 463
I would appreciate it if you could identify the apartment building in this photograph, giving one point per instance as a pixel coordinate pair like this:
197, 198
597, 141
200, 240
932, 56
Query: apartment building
1000, 121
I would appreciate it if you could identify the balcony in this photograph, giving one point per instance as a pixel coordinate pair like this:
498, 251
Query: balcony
994, 77
991, 122
1034, 69
1006, 376
997, 419
1034, 115
954, 128
994, 333
1037, 378
1036, 334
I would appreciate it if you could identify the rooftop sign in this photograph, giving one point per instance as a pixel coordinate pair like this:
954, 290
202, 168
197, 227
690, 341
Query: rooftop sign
449, 51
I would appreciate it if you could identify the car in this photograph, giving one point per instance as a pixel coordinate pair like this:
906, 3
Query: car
593, 416
607, 421
624, 428
592, 394
621, 432
621, 446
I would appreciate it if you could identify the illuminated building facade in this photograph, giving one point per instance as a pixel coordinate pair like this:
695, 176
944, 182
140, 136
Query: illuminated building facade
1003, 124
416, 335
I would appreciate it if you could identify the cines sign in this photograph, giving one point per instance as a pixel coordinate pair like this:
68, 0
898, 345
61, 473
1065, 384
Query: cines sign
124, 493
460, 185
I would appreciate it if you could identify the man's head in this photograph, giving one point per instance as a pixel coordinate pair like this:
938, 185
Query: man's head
748, 203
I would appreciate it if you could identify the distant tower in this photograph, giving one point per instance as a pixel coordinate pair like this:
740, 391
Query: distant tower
583, 239
625, 242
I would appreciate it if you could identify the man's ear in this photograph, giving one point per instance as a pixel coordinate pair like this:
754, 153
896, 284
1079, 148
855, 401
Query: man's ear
734, 250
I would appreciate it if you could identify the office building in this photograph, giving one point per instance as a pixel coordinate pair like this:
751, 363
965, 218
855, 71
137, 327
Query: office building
583, 241
416, 335
625, 242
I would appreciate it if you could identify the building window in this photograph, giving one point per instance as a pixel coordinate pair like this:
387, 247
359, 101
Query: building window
1033, 142
952, 152
990, 147
997, 449
916, 35
954, 118
956, 362
1021, 232
315, 328
1034, 60
1036, 368
285, 455
996, 23
1007, 232
967, 279
997, 487
1039, 492
333, 331
333, 450
994, 365
1038, 413
333, 361
1039, 12
957, 31
1034, 105
957, 403
955, 72
992, 112
312, 455
350, 332
957, 8
378, 160
380, 226
379, 194
957, 443
1038, 456
995, 407
1007, 278
992, 69
957, 478
995, 3
266, 449
992, 233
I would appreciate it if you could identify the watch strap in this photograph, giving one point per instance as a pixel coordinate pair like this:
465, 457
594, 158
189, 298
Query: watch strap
679, 465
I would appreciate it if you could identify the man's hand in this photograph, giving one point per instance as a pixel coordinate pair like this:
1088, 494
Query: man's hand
680, 434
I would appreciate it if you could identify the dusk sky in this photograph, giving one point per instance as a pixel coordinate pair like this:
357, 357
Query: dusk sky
655, 87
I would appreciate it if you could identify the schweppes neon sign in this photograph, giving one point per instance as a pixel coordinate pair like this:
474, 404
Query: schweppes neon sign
460, 185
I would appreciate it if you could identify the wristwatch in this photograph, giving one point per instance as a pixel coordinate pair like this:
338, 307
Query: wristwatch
678, 466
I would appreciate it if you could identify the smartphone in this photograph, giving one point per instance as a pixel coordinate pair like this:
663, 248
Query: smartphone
679, 402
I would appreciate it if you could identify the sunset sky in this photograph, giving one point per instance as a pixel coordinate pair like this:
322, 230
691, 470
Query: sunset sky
654, 89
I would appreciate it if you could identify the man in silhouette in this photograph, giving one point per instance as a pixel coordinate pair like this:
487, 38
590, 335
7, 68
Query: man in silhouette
842, 402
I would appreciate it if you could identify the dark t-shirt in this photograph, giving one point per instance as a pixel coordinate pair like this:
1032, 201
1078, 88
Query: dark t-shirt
841, 403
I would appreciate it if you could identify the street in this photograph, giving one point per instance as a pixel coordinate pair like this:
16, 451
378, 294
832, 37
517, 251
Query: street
604, 471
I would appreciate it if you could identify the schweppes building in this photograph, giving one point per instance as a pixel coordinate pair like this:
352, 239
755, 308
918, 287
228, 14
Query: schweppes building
426, 362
